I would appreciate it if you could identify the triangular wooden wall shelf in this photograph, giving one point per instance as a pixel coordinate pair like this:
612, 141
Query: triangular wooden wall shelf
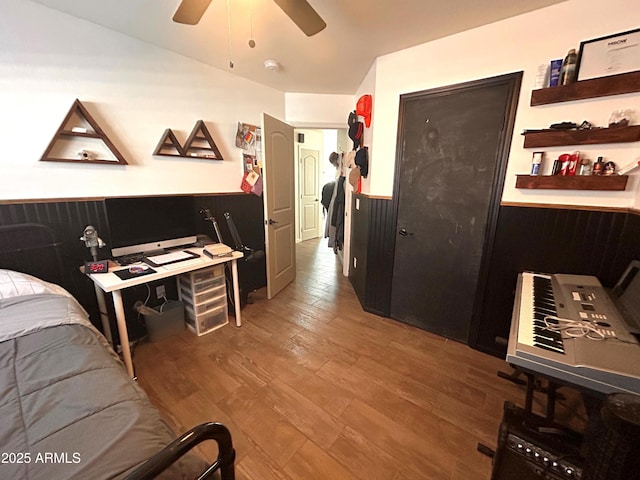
169, 145
88, 128
200, 144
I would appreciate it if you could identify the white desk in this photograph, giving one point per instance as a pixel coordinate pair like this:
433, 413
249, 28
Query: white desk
110, 282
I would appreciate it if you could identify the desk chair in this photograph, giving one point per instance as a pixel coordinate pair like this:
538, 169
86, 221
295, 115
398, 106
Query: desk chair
251, 268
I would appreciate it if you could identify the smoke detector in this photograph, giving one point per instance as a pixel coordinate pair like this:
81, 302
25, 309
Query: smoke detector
271, 65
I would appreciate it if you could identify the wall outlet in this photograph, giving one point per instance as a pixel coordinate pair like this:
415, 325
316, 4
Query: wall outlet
160, 291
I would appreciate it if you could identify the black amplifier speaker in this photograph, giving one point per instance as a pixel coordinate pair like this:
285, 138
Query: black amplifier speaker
530, 449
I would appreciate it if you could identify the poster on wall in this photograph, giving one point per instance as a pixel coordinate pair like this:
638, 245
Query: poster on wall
246, 137
249, 139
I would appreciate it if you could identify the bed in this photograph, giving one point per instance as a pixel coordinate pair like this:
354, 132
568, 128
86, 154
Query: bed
68, 408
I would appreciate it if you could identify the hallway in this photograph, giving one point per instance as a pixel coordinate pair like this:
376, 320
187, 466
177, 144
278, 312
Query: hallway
313, 387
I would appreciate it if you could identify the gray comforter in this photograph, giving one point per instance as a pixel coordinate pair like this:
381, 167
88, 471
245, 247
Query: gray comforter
67, 407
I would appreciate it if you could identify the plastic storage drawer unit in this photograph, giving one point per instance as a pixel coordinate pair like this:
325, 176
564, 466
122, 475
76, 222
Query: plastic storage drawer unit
204, 294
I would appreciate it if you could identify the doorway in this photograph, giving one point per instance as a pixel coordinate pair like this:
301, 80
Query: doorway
312, 142
453, 144
309, 194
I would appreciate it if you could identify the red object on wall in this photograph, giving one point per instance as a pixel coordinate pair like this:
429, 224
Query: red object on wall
363, 108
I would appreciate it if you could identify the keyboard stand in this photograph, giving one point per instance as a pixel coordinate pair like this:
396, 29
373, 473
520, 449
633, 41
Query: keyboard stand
533, 384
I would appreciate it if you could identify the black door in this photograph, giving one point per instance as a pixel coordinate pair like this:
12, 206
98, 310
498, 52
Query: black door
452, 149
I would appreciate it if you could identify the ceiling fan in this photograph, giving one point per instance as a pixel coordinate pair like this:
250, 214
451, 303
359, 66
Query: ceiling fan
303, 15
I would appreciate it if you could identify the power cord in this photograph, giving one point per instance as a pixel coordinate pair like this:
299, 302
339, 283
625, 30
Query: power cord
164, 297
573, 328
578, 329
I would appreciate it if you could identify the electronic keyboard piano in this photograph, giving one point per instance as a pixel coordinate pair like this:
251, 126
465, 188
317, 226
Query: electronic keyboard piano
610, 363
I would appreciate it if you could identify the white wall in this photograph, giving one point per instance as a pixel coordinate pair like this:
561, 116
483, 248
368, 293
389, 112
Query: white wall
368, 87
133, 90
515, 44
318, 110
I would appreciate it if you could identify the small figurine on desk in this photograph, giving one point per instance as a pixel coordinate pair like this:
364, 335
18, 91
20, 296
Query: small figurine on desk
93, 242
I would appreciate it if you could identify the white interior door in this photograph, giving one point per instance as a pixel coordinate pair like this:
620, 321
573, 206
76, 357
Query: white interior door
279, 204
309, 193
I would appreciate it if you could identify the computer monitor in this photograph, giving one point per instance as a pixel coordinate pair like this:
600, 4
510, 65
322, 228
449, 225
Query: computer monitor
142, 225
626, 296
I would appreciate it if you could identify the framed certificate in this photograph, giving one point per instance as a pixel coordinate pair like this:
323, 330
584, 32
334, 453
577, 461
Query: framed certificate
610, 55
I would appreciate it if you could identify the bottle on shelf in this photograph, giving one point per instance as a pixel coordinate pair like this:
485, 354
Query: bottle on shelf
536, 163
554, 72
568, 72
598, 167
585, 167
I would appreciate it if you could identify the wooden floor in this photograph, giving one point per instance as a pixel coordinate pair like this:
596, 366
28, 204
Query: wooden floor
313, 387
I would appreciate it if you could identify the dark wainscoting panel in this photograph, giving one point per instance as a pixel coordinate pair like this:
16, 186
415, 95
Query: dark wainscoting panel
372, 243
359, 245
549, 240
69, 218
552, 240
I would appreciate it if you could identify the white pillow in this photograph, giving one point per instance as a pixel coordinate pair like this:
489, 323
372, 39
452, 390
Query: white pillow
14, 284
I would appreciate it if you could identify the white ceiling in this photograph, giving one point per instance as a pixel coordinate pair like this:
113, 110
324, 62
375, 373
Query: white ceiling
335, 60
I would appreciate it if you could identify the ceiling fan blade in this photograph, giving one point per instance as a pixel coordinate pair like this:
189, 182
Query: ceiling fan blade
190, 11
303, 15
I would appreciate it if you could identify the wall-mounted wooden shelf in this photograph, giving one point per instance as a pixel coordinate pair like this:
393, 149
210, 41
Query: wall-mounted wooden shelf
80, 134
169, 146
573, 182
595, 136
593, 88
79, 116
200, 144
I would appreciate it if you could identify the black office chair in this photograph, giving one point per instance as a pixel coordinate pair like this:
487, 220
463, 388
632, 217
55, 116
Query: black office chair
252, 268
250, 255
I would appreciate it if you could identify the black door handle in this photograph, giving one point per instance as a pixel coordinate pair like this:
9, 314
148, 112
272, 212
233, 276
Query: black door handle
403, 233
272, 221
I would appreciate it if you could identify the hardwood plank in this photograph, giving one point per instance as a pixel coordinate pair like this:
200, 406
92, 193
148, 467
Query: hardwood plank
267, 429
319, 426
257, 465
405, 446
322, 345
482, 426
415, 392
216, 384
197, 409
364, 459
332, 399
360, 385
310, 461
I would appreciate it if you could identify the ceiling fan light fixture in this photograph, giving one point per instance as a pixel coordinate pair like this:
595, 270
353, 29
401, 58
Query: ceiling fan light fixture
271, 65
